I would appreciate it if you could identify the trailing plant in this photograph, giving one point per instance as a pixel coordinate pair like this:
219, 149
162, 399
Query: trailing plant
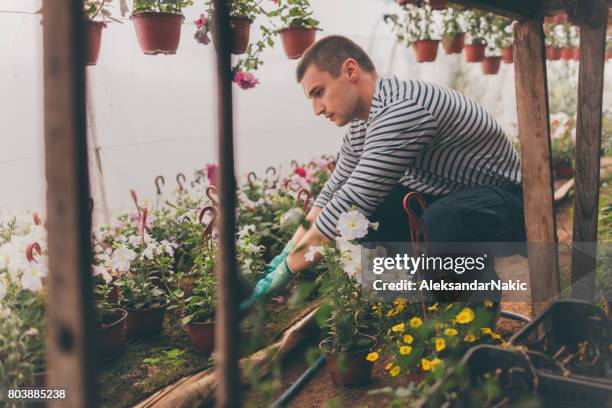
477, 26
453, 22
414, 25
159, 6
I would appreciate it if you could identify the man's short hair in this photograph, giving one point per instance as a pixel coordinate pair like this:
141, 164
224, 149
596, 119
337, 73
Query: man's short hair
329, 53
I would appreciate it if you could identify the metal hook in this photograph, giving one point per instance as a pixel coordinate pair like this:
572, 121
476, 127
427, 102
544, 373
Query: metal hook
135, 200
254, 176
286, 184
163, 183
208, 230
273, 171
211, 193
298, 198
30, 248
178, 180
295, 163
36, 218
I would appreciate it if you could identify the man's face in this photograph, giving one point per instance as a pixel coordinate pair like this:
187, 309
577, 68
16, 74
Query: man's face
335, 98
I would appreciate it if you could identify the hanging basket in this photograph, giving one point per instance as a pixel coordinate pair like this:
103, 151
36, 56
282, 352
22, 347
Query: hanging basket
553, 54
240, 28
426, 50
158, 33
296, 40
474, 52
453, 45
490, 65
94, 38
508, 55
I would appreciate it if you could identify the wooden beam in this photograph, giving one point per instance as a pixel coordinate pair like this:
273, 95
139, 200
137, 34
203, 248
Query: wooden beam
516, 9
534, 131
69, 307
226, 331
588, 151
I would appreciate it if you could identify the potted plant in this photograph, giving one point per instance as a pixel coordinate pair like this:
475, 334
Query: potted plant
111, 325
92, 10
490, 64
569, 42
416, 28
347, 312
242, 14
158, 24
553, 43
299, 26
453, 31
503, 37
477, 25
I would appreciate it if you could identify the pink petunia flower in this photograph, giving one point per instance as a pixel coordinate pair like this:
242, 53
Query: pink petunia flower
301, 171
245, 80
211, 173
201, 21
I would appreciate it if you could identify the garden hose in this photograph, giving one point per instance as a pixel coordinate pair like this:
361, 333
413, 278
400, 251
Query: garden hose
515, 316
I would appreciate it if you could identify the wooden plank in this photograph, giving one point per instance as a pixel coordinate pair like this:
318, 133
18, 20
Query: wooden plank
226, 329
516, 9
69, 306
534, 131
588, 151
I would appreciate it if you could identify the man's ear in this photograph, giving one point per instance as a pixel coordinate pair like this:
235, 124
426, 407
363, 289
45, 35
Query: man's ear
350, 68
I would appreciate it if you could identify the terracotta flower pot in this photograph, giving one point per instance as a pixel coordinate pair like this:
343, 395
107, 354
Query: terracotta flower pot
94, 38
553, 54
426, 50
560, 18
490, 65
453, 45
241, 28
146, 322
564, 172
576, 55
474, 52
508, 55
350, 369
158, 33
296, 40
110, 338
567, 53
202, 336
608, 53
438, 4
550, 19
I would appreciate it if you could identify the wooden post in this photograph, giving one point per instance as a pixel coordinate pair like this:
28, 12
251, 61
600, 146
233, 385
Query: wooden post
226, 332
588, 151
534, 131
69, 294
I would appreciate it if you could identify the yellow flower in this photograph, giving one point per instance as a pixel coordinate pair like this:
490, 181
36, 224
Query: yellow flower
496, 336
377, 309
488, 303
389, 366
504, 344
426, 364
408, 339
470, 338
450, 332
435, 362
392, 312
485, 330
465, 316
405, 350
398, 328
400, 303
395, 371
439, 326
440, 344
416, 322
372, 356
449, 306
433, 308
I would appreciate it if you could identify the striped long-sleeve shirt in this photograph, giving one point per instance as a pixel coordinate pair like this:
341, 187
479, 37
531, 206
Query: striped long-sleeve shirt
426, 137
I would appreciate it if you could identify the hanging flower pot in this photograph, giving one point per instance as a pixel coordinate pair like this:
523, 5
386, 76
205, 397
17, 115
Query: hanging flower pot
438, 4
453, 45
474, 52
348, 369
490, 65
202, 336
576, 55
145, 322
296, 40
240, 27
426, 50
550, 19
508, 55
553, 54
94, 38
110, 336
567, 53
157, 33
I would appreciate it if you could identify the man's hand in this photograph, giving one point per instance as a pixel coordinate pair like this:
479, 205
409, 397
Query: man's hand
272, 282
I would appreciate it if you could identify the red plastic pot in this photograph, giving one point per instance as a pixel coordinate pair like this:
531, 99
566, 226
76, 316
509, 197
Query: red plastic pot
202, 336
94, 38
158, 33
426, 50
296, 40
567, 53
438, 4
110, 338
241, 28
508, 55
350, 369
608, 53
145, 322
453, 45
490, 65
474, 52
553, 54
576, 54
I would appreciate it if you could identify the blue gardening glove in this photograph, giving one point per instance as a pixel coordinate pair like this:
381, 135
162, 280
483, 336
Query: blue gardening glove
273, 281
278, 259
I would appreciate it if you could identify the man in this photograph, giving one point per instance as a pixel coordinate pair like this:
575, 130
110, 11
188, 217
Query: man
402, 136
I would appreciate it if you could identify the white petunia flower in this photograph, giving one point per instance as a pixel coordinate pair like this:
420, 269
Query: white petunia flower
246, 230
31, 332
31, 278
122, 259
253, 249
352, 225
2, 289
350, 256
312, 251
4, 312
98, 270
149, 252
